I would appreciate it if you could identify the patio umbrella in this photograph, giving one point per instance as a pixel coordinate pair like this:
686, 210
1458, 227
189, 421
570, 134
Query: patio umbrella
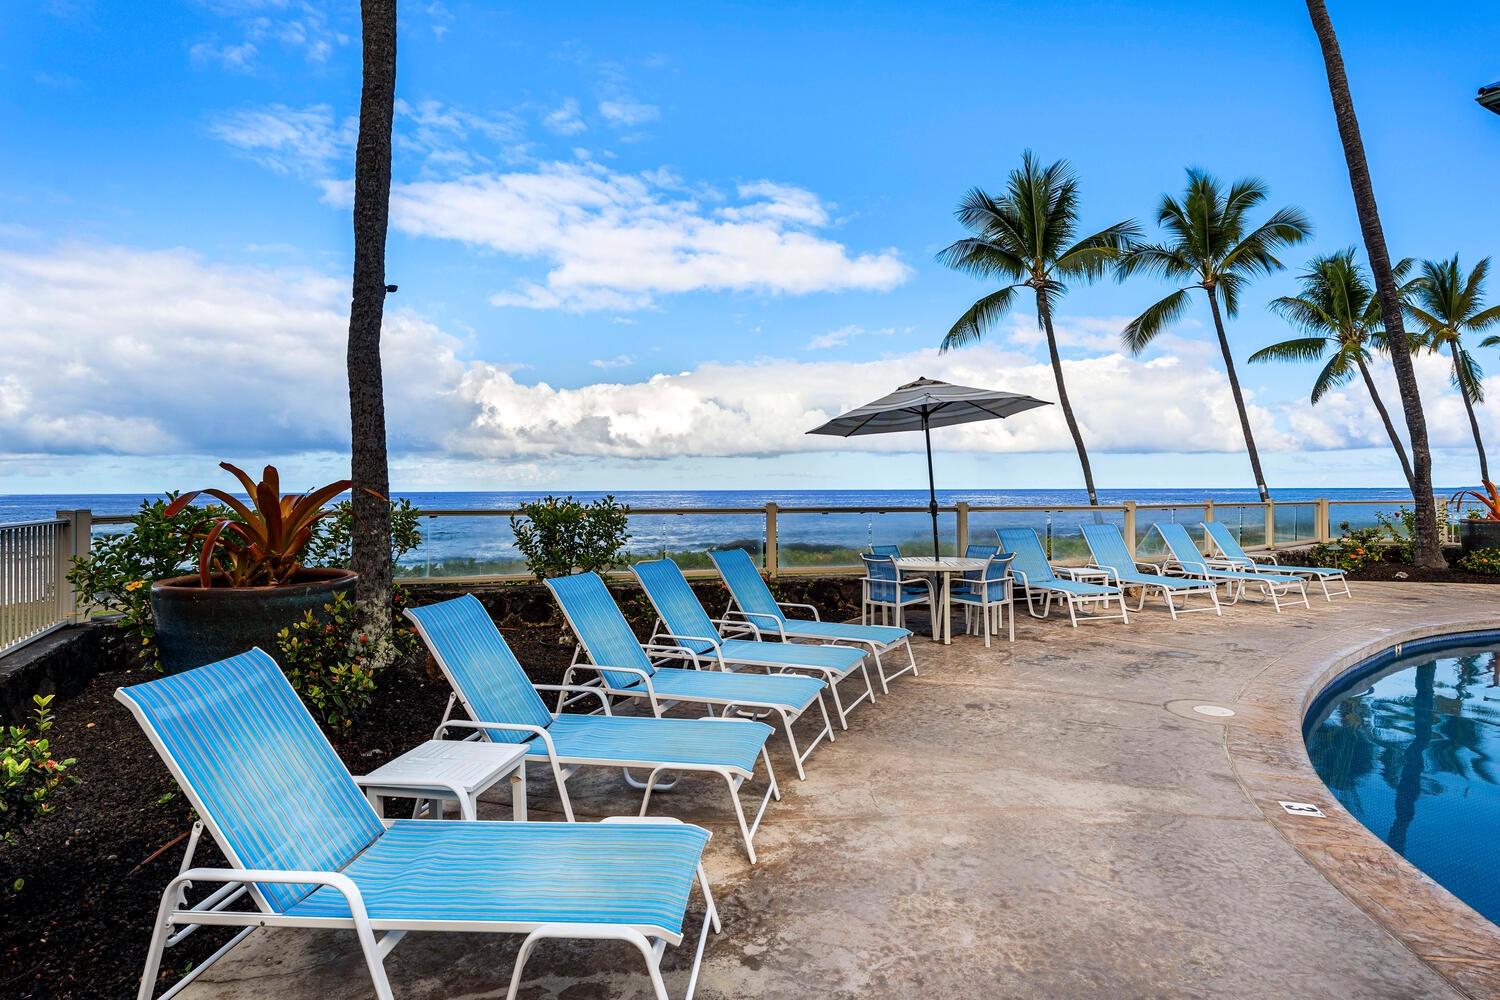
923, 405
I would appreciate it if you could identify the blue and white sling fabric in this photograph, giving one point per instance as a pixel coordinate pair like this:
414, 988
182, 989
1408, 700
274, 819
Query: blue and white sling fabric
493, 687
485, 674
1185, 552
1231, 549
606, 636
1108, 548
992, 584
604, 632
525, 874
1031, 561
266, 775
683, 614
756, 600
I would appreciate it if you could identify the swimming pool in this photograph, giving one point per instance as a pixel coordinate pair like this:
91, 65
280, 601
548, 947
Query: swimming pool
1409, 743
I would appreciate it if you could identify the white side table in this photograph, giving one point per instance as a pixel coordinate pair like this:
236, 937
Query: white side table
439, 770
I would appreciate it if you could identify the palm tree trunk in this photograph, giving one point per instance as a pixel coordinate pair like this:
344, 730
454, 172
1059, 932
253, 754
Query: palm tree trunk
1429, 543
1385, 418
1062, 399
1463, 391
1239, 399
371, 535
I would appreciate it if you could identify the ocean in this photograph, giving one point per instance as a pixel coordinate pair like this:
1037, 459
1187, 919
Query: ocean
469, 545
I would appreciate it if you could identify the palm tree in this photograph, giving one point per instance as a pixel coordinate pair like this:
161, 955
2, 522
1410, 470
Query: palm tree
370, 553
1429, 543
1026, 238
1208, 244
1448, 305
1337, 308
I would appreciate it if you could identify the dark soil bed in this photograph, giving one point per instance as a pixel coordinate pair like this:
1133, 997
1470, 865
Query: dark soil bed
1387, 572
95, 868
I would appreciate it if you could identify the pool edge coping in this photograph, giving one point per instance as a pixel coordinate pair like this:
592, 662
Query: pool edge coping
1269, 759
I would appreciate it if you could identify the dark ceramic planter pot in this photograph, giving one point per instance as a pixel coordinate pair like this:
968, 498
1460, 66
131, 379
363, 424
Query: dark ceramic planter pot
1478, 533
195, 626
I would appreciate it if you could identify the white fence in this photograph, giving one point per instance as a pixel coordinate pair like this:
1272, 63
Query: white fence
35, 557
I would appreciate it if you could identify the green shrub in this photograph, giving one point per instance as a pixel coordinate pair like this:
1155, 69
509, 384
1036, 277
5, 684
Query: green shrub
559, 536
1486, 561
1352, 551
332, 659
333, 538
1402, 527
120, 569
29, 775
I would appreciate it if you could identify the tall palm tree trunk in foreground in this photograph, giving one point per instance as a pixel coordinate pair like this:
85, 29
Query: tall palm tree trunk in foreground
1390, 428
371, 549
1062, 399
1428, 544
1239, 399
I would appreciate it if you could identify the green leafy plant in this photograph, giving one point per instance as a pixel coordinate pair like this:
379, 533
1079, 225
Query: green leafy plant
1352, 551
1402, 528
333, 537
120, 568
559, 536
332, 659
1486, 561
29, 774
262, 545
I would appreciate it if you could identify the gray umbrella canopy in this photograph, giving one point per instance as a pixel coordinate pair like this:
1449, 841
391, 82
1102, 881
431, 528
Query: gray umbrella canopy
921, 406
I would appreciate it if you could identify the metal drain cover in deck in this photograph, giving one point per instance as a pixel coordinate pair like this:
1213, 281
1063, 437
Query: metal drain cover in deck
1215, 711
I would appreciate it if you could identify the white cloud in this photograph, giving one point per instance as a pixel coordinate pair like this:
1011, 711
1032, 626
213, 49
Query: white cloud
565, 119
115, 350
295, 25
843, 335
616, 241
119, 350
627, 113
304, 141
766, 407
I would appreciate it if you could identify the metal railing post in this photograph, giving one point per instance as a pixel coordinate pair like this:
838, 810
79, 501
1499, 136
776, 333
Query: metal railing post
1321, 526
963, 528
1270, 525
1208, 510
1129, 529
773, 557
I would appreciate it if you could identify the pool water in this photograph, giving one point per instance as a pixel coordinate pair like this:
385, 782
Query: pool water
1409, 743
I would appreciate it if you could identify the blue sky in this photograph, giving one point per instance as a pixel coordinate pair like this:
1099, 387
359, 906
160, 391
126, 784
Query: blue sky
650, 244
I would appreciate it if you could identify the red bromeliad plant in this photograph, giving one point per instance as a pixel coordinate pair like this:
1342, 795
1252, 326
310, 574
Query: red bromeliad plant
1490, 498
262, 546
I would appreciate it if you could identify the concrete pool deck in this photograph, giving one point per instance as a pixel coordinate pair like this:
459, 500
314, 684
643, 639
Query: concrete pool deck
1043, 819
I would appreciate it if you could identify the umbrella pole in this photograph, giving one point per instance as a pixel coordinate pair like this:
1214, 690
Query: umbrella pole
932, 507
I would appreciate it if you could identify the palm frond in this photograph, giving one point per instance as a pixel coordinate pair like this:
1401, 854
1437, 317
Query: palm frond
1298, 349
1336, 373
1467, 376
983, 259
1139, 332
1154, 259
979, 317
1091, 256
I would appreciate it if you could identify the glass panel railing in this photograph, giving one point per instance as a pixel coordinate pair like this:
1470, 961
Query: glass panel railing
1296, 523
687, 538
463, 545
1246, 522
1058, 529
1149, 546
1363, 515
836, 539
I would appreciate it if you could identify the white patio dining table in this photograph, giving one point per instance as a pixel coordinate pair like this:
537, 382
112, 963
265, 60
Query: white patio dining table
946, 567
